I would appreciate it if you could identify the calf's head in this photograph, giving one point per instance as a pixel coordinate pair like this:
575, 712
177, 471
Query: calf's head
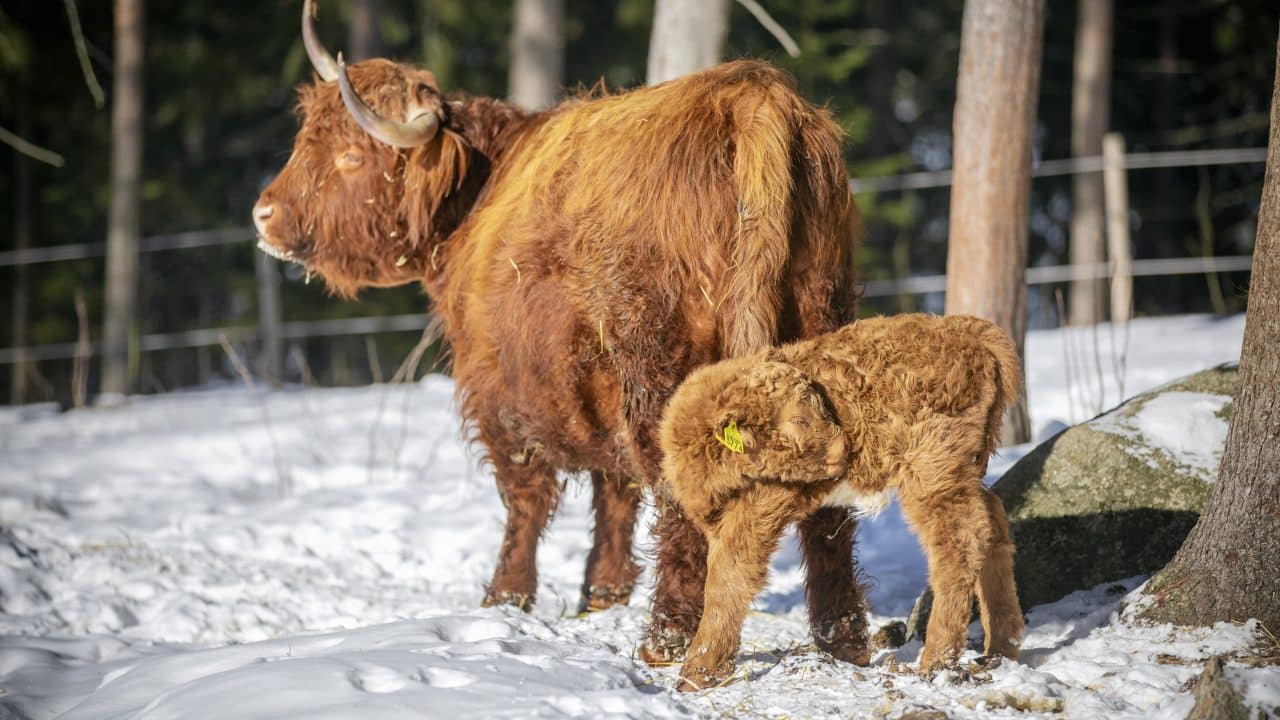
743, 420
370, 167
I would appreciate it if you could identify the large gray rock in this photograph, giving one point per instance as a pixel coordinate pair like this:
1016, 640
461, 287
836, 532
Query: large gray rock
1115, 496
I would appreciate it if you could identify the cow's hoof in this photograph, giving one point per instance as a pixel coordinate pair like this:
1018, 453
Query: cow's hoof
494, 598
844, 639
664, 645
603, 597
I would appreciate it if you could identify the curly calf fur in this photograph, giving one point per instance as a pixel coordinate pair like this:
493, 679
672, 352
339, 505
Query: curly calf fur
910, 404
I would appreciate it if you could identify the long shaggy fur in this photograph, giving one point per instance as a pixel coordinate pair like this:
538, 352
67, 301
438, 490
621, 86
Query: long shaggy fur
583, 260
909, 404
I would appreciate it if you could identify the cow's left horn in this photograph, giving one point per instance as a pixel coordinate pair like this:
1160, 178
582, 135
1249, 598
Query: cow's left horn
421, 126
321, 60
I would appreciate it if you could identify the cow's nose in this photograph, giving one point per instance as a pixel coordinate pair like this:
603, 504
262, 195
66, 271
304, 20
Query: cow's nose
261, 214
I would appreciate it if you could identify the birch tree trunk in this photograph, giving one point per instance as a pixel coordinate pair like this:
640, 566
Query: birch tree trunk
996, 92
1090, 114
1226, 568
688, 35
537, 54
119, 369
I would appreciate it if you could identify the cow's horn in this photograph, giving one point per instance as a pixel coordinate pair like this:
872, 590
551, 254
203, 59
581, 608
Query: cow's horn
421, 126
321, 60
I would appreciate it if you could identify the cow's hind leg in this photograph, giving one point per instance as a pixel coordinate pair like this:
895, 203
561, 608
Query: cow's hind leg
837, 606
530, 493
677, 596
611, 568
997, 594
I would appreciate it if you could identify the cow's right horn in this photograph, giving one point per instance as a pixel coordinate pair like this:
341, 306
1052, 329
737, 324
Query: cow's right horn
419, 130
321, 60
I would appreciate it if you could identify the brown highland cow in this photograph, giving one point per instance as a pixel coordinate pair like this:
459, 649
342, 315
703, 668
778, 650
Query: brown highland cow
910, 404
581, 261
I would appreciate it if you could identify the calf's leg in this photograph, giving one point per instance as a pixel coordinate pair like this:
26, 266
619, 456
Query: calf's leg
530, 493
677, 596
955, 531
611, 569
738, 555
997, 594
837, 606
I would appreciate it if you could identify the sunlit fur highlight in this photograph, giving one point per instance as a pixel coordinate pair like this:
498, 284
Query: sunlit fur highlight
911, 404
582, 261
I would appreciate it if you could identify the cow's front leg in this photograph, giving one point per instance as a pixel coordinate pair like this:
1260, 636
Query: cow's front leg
677, 596
530, 493
611, 569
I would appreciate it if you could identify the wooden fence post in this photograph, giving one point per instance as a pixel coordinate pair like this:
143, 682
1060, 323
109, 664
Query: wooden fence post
1116, 184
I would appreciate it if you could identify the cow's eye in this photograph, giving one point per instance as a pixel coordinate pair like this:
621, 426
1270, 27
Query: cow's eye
348, 160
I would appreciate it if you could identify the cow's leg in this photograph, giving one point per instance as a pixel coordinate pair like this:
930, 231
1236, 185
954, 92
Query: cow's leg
677, 596
611, 569
997, 594
955, 531
837, 606
530, 493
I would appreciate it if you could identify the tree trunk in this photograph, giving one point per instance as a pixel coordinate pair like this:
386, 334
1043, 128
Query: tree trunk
21, 241
1000, 48
1226, 568
537, 54
1090, 112
688, 35
363, 39
119, 366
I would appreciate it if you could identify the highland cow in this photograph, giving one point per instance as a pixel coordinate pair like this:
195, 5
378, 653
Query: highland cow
580, 262
910, 405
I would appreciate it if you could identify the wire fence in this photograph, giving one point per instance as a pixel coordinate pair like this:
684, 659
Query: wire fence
916, 285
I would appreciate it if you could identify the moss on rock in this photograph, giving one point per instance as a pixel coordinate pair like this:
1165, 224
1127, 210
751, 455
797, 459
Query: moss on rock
1099, 502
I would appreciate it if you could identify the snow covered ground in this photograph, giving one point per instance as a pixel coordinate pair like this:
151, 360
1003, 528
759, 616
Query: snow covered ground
322, 552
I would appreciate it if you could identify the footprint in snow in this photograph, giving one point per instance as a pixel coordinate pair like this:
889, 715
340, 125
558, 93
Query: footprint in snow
376, 678
444, 677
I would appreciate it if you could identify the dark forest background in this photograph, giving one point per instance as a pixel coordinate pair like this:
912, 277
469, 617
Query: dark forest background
219, 96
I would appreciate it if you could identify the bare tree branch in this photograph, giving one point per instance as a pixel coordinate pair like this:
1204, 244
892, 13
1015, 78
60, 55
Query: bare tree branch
767, 21
91, 80
33, 151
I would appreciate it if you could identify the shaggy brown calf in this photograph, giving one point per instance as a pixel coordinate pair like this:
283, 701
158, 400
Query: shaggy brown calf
581, 261
910, 404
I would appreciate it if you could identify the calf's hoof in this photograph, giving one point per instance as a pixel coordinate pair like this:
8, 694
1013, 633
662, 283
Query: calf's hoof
703, 672
603, 597
933, 659
664, 645
494, 598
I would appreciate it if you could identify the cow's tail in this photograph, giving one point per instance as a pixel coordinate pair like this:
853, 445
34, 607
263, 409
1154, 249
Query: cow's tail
796, 224
764, 134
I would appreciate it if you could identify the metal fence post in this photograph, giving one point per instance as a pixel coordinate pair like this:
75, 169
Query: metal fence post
270, 318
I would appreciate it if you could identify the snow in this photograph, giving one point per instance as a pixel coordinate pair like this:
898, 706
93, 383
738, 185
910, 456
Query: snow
322, 553
1184, 427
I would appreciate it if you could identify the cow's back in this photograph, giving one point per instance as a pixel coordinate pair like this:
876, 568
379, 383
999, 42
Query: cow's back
614, 251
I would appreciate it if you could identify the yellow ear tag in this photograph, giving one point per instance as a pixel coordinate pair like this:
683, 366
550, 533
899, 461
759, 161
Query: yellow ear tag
732, 439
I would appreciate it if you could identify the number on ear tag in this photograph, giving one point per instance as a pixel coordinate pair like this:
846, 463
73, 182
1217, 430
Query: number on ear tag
732, 439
